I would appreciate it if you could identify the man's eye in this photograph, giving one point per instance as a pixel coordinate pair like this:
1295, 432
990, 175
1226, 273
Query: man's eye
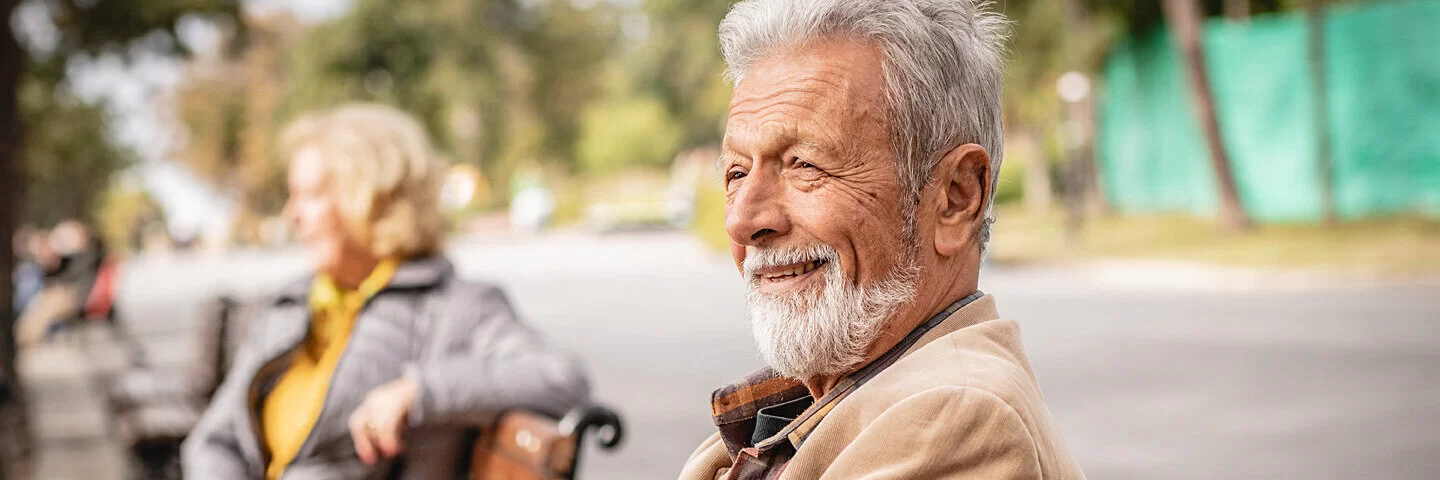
803, 164
735, 175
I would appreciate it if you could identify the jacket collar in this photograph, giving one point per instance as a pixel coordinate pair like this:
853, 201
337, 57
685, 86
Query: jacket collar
413, 274
980, 310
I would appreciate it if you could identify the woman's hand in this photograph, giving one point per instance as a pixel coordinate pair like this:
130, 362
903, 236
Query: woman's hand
377, 425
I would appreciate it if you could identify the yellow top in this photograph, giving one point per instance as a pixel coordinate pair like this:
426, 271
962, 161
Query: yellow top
292, 408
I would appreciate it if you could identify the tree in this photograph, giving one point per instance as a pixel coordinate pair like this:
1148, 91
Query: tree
1185, 23
1237, 10
12, 182
1315, 16
91, 28
127, 212
69, 155
227, 106
496, 82
625, 132
51, 141
1052, 38
677, 60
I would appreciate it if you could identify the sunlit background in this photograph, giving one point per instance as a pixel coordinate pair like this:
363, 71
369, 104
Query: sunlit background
1226, 258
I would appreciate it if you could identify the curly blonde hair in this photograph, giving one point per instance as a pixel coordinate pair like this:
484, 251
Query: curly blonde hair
384, 173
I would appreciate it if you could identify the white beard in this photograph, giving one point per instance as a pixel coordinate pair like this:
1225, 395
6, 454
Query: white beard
807, 334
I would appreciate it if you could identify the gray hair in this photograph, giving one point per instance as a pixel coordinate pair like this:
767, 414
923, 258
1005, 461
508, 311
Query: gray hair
943, 62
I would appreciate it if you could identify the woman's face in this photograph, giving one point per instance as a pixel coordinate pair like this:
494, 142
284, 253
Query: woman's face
313, 213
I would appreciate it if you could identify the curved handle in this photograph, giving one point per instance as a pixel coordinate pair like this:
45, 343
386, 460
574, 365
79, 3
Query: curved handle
583, 419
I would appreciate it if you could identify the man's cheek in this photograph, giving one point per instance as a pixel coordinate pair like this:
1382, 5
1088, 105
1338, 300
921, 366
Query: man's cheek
737, 252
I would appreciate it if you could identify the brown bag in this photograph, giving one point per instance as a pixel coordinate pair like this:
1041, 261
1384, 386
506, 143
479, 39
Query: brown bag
524, 446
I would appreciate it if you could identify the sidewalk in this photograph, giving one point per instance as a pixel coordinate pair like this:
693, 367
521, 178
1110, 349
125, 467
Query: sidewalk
67, 416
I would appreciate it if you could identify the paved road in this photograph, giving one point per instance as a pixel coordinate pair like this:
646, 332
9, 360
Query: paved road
1170, 376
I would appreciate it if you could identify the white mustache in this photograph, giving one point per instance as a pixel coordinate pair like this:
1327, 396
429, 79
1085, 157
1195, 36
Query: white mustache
758, 258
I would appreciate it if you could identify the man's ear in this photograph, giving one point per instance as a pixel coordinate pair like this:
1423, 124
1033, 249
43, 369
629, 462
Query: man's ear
963, 179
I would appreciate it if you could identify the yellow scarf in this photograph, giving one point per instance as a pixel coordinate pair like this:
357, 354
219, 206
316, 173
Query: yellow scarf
290, 410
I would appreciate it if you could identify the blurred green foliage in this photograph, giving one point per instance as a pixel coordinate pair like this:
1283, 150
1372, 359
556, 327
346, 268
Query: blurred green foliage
124, 214
678, 60
586, 88
1010, 186
68, 151
591, 89
497, 82
627, 132
709, 221
594, 89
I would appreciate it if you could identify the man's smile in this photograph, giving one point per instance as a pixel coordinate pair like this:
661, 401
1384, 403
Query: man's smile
782, 278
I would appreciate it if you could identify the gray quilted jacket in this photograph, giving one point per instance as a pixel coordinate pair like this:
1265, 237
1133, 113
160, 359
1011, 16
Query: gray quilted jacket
459, 341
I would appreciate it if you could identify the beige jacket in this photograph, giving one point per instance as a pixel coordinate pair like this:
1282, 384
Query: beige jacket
962, 402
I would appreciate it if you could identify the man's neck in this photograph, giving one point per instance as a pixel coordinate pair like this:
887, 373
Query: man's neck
895, 331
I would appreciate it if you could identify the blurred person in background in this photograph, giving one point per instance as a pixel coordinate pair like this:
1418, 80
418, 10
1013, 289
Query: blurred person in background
29, 276
860, 157
383, 349
81, 253
71, 257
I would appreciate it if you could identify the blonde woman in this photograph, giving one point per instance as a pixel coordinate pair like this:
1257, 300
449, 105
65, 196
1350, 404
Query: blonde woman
383, 350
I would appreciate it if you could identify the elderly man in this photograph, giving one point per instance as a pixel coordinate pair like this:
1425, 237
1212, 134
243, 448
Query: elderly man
859, 164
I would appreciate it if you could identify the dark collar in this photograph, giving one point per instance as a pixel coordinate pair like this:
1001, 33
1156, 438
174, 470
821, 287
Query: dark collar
772, 420
736, 406
414, 274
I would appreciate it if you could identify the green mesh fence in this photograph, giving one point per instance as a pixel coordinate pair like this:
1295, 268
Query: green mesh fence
1383, 75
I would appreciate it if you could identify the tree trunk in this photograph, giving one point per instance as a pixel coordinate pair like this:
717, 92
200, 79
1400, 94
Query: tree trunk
1095, 203
1039, 193
1086, 59
1184, 19
12, 180
16, 441
1076, 16
1315, 13
1237, 10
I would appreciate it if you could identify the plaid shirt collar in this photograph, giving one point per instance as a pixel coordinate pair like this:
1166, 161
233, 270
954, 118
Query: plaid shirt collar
735, 407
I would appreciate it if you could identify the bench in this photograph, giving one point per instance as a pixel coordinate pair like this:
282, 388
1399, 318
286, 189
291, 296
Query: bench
527, 446
152, 411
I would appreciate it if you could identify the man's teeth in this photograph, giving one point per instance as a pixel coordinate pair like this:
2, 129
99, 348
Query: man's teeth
799, 269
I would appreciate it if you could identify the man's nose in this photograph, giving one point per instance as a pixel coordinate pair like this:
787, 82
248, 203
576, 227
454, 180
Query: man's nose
757, 213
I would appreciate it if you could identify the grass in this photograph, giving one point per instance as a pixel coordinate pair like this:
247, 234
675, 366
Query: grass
709, 221
574, 196
1388, 245
1401, 245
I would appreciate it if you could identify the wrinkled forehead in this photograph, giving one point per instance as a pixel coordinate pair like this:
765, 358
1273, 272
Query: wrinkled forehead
825, 93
